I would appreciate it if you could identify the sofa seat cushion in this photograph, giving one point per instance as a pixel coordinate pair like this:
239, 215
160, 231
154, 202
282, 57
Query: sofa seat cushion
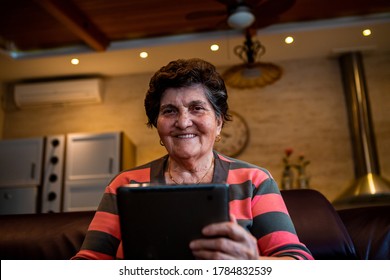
43, 236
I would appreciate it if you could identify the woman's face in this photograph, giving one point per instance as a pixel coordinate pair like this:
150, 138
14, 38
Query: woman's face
187, 123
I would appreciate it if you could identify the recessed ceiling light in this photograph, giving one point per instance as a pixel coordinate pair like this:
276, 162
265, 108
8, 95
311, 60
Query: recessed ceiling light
75, 61
214, 47
289, 40
143, 54
366, 32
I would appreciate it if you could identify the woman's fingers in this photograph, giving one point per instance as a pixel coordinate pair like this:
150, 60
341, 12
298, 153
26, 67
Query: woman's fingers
231, 242
228, 229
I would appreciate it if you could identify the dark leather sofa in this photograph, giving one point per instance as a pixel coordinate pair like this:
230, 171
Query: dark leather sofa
359, 233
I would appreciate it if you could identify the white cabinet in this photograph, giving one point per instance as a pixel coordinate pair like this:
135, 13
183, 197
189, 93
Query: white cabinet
83, 195
92, 156
21, 162
92, 160
18, 200
60, 173
20, 175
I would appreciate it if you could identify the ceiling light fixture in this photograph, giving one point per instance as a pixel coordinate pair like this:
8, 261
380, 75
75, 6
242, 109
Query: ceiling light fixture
366, 32
241, 18
214, 47
75, 61
143, 54
251, 73
289, 40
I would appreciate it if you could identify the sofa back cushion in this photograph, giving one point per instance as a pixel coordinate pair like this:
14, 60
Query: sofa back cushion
318, 225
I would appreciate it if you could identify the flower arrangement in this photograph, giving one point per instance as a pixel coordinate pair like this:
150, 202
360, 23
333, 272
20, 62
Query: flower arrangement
288, 175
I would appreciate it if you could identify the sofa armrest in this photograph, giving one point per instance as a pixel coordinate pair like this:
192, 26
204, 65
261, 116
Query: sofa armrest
318, 225
369, 228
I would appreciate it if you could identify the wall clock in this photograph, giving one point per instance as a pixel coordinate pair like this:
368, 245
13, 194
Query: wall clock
234, 136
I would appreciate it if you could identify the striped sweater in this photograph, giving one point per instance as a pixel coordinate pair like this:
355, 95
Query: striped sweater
255, 201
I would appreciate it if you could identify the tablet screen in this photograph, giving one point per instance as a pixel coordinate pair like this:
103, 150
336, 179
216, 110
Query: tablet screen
159, 222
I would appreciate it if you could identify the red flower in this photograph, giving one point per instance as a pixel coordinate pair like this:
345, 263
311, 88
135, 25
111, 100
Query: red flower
288, 151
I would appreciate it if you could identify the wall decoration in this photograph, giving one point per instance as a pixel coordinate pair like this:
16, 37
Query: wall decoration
234, 136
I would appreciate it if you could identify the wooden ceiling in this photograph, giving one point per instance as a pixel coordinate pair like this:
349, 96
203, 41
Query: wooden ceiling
27, 25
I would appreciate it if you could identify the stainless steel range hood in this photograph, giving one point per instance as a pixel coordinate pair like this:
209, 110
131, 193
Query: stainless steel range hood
368, 188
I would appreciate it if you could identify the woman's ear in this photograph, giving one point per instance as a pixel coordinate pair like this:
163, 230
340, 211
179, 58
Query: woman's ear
219, 125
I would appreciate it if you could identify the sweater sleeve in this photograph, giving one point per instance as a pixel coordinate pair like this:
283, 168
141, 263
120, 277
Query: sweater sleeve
257, 204
103, 238
272, 225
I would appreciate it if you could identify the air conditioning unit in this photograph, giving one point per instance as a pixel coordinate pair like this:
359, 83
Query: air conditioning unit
58, 93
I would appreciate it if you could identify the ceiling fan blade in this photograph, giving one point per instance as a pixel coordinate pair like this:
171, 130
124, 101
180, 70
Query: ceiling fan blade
272, 8
204, 14
232, 4
264, 22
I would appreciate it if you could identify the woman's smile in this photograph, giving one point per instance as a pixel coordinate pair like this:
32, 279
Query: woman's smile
185, 136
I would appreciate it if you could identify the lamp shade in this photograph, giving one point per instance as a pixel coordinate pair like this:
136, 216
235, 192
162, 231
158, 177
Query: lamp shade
241, 18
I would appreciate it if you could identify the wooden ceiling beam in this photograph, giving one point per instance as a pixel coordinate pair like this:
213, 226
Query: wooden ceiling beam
75, 20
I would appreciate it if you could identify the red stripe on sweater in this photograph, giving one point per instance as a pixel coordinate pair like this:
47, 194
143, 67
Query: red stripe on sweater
92, 255
119, 253
224, 158
263, 203
106, 222
241, 209
141, 175
247, 208
272, 241
238, 176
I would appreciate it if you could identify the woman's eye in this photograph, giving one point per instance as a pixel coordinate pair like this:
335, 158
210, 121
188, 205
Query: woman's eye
167, 111
197, 108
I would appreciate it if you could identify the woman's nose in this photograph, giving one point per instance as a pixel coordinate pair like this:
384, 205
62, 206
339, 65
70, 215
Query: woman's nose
183, 120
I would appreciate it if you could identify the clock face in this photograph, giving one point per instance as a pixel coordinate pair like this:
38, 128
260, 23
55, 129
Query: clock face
234, 136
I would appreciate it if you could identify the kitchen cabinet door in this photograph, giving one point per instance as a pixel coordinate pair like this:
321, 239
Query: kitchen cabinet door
92, 160
92, 156
18, 200
84, 195
21, 162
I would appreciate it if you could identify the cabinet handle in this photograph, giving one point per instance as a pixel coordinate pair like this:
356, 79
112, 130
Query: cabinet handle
7, 196
32, 170
110, 167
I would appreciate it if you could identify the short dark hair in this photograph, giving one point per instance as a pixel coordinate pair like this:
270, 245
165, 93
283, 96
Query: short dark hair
185, 73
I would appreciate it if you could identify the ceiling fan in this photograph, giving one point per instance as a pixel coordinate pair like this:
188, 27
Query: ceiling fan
242, 14
249, 15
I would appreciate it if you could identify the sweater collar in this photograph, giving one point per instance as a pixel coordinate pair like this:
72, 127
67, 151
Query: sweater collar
221, 169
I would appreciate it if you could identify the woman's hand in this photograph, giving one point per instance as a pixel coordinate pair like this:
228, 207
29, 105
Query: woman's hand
226, 241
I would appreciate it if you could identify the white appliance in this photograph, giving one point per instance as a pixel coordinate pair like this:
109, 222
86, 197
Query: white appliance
58, 93
52, 187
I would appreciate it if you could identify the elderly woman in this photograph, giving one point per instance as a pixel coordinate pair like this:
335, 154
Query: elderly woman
187, 103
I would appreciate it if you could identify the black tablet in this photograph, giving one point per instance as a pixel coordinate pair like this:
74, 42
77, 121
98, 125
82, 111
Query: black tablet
158, 222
